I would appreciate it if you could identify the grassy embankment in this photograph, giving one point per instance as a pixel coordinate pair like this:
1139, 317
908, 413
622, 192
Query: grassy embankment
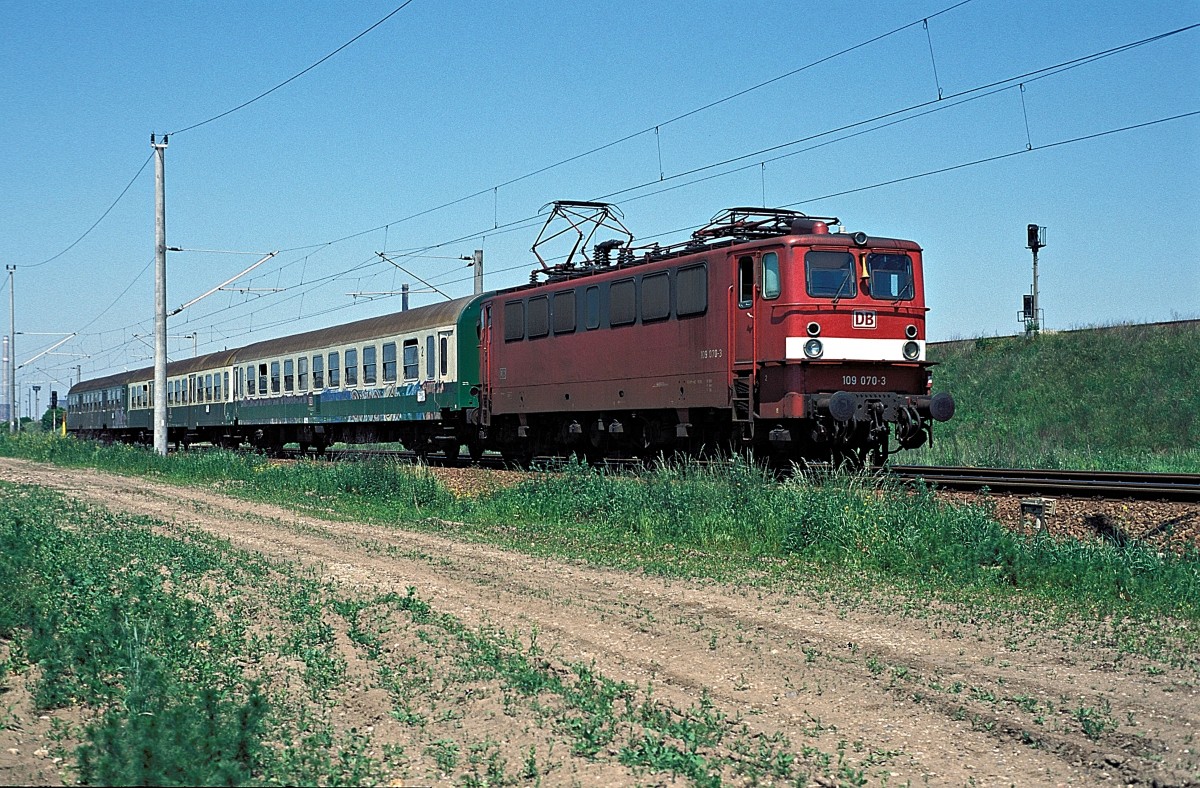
1118, 398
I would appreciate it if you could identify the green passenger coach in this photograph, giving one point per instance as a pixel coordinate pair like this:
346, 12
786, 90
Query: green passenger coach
411, 377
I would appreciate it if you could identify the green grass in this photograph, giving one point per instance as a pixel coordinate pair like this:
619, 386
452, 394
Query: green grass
114, 633
726, 521
1118, 398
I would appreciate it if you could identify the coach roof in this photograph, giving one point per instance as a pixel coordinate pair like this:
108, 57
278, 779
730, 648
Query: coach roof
422, 318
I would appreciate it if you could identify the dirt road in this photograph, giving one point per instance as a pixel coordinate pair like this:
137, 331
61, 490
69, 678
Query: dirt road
906, 692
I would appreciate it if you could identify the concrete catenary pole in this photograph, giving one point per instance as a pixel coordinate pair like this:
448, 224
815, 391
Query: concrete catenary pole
4, 388
478, 265
160, 296
13, 416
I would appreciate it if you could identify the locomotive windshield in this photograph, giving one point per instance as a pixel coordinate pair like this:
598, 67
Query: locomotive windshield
830, 274
891, 276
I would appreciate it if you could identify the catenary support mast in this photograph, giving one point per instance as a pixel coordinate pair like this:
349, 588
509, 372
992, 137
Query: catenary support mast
160, 297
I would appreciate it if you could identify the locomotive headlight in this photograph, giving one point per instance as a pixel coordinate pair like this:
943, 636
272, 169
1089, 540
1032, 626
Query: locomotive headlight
814, 329
910, 331
813, 348
912, 351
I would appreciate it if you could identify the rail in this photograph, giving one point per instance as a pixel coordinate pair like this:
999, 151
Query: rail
1105, 484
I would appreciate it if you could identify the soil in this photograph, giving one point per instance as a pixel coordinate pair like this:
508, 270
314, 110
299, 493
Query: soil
906, 690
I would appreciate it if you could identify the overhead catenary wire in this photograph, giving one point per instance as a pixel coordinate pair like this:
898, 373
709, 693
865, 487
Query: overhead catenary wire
494, 189
96, 223
294, 77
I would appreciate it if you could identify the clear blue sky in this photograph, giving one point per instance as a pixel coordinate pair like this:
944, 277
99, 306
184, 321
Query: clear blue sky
450, 99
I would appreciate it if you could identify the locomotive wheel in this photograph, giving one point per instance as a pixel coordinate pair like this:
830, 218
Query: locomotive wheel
520, 455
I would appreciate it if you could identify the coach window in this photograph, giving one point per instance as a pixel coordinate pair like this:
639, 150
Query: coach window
514, 323
318, 372
262, 378
830, 275
691, 291
334, 380
350, 357
412, 365
370, 352
302, 373
591, 303
770, 275
389, 362
208, 388
564, 312
890, 276
225, 388
656, 297
274, 377
622, 303
430, 357
745, 277
537, 317
444, 352
289, 375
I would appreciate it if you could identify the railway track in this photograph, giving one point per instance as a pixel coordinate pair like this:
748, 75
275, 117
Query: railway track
1101, 484
1183, 487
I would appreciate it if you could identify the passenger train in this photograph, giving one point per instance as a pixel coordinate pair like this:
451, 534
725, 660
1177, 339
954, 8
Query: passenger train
767, 331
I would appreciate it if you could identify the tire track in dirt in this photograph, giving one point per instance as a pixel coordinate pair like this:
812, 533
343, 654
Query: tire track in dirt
876, 688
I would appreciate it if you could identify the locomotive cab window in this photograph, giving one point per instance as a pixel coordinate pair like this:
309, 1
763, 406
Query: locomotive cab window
890, 276
745, 278
770, 275
830, 275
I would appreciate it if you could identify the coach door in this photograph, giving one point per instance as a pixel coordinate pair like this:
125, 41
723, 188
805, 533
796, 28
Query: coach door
192, 407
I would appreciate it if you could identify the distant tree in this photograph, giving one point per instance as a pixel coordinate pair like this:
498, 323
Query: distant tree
53, 418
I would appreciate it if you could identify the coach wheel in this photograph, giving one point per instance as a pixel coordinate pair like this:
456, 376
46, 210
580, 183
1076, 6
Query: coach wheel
304, 448
451, 452
475, 450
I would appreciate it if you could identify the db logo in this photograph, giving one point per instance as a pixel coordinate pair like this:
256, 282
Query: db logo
864, 319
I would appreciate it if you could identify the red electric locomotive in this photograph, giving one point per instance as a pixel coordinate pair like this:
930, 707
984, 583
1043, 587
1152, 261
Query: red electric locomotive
766, 331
